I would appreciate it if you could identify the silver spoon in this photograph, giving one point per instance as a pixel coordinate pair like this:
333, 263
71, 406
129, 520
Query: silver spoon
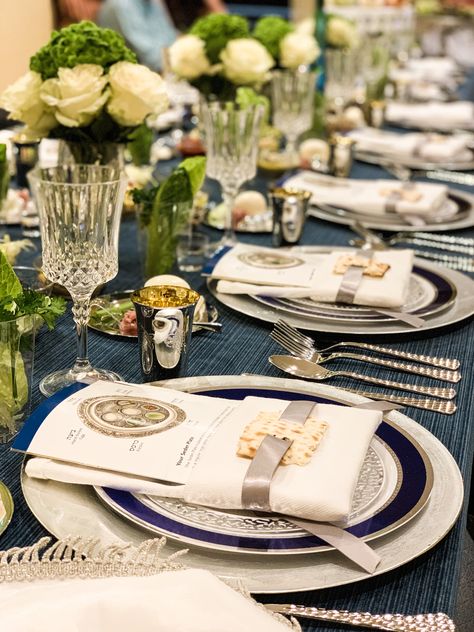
311, 371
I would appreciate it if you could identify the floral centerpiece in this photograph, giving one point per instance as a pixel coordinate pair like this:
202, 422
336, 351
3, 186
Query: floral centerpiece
220, 52
86, 88
22, 312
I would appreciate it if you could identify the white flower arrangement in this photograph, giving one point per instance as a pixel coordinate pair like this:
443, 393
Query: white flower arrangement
65, 94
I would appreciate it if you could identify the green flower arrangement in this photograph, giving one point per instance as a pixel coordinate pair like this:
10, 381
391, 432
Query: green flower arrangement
83, 43
270, 30
216, 30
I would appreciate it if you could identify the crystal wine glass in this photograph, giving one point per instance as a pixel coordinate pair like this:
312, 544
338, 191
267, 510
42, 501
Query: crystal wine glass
342, 76
231, 148
79, 208
292, 103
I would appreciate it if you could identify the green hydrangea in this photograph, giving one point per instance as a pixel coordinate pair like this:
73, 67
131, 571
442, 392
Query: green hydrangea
83, 43
217, 29
269, 31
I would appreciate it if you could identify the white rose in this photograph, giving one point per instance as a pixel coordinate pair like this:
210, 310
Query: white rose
77, 95
306, 26
137, 92
341, 33
297, 49
188, 57
246, 61
22, 99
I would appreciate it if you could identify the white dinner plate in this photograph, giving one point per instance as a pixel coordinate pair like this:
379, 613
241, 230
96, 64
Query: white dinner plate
415, 162
73, 510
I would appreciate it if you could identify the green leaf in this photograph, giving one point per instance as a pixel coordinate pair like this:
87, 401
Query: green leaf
139, 145
246, 97
10, 286
195, 167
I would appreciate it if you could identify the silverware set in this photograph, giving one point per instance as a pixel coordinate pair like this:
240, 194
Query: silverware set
306, 359
444, 243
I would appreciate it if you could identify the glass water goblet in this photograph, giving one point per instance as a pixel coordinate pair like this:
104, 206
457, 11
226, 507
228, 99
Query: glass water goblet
79, 208
231, 137
292, 104
342, 77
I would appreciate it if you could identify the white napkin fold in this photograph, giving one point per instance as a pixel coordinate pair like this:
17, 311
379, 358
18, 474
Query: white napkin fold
429, 146
388, 291
438, 115
188, 600
370, 196
321, 490
434, 69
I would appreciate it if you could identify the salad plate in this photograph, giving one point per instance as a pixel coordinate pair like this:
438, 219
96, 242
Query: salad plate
73, 510
260, 223
6, 507
108, 312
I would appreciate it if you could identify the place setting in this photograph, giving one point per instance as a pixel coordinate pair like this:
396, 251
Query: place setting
234, 371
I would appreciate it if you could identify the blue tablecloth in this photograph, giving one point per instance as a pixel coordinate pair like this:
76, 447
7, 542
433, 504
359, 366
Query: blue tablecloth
427, 584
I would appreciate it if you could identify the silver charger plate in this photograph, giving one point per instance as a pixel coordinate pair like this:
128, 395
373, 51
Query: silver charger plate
463, 219
260, 223
414, 162
460, 309
74, 510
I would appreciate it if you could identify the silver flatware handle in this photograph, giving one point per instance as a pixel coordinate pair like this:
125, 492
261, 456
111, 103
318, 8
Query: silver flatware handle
433, 391
428, 371
448, 176
443, 239
465, 264
446, 363
446, 407
431, 243
438, 622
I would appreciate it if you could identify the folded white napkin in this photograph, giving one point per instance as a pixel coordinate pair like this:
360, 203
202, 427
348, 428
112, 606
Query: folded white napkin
430, 146
388, 291
187, 600
434, 69
321, 490
436, 115
371, 196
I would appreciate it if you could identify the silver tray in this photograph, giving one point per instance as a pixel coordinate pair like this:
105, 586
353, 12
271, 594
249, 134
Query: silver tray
73, 510
462, 308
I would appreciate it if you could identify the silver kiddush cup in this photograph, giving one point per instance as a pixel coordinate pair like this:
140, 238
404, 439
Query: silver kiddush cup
165, 319
290, 207
341, 155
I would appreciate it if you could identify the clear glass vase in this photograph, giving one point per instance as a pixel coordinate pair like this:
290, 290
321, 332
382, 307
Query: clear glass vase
106, 154
17, 346
158, 237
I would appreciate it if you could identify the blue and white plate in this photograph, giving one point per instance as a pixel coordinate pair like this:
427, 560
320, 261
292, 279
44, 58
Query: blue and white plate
429, 293
394, 485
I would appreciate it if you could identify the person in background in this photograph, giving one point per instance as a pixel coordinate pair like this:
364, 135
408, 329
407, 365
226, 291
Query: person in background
146, 26
185, 13
69, 11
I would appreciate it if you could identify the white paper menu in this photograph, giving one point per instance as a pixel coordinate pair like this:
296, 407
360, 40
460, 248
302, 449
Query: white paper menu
146, 431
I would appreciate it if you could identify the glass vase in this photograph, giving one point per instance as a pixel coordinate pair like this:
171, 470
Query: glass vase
105, 154
17, 345
158, 237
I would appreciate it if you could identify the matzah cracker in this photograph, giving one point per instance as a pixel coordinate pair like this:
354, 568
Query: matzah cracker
306, 437
372, 268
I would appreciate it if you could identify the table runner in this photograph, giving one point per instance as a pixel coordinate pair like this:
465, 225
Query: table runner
427, 584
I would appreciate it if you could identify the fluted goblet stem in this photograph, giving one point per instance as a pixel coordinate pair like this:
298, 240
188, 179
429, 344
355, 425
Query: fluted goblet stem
81, 312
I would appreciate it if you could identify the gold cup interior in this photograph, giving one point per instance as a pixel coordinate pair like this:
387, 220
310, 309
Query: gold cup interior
160, 296
285, 193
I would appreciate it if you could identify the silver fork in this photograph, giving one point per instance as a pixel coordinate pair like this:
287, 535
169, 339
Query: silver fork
300, 349
438, 622
445, 363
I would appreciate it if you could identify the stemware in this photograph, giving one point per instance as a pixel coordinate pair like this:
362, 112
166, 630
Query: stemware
79, 208
292, 103
342, 76
231, 148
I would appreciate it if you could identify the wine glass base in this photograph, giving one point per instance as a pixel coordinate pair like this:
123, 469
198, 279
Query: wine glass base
58, 380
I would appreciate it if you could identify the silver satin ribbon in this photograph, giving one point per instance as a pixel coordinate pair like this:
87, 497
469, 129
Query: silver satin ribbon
351, 279
350, 283
257, 483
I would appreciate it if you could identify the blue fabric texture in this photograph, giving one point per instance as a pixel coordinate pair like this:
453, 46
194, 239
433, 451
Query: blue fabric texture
145, 24
427, 584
